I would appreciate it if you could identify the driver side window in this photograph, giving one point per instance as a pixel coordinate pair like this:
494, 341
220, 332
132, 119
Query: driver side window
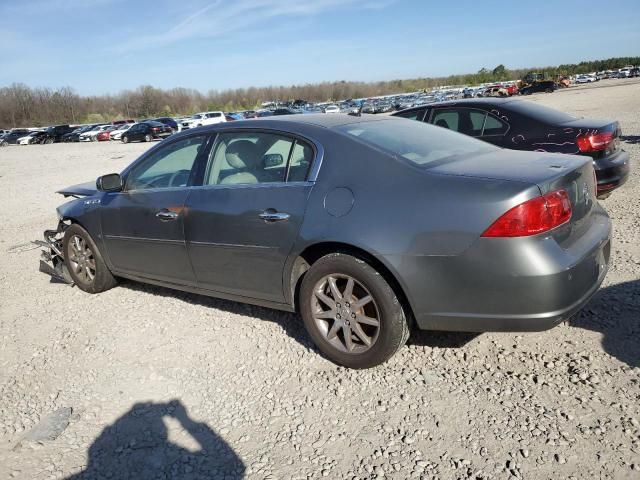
169, 167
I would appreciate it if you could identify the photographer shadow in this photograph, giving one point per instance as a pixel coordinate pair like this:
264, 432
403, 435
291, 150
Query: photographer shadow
137, 446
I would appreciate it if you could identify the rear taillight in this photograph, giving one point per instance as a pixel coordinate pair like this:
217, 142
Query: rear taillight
155, 129
594, 143
534, 216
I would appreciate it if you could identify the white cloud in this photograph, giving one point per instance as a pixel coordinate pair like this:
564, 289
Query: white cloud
221, 18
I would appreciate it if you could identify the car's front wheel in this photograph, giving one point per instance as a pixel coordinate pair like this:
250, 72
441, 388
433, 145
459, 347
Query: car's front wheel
351, 312
84, 261
125, 139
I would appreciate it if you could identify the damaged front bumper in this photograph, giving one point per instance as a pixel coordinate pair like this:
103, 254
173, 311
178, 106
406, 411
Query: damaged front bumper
52, 257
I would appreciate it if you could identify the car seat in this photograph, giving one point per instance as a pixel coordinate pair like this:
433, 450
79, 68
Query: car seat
242, 155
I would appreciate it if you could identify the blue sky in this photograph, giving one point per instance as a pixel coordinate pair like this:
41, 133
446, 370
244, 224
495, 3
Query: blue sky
104, 46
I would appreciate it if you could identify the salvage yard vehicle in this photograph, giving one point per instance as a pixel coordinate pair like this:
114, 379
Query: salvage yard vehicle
547, 86
585, 79
146, 132
119, 131
91, 135
340, 218
203, 118
105, 135
12, 137
32, 138
55, 133
522, 125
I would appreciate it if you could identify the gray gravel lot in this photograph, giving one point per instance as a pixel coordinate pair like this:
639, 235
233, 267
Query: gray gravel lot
159, 384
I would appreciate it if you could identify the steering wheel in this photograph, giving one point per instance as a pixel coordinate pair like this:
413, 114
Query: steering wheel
176, 175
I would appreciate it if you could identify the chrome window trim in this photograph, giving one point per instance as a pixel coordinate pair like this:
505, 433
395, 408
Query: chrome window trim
254, 185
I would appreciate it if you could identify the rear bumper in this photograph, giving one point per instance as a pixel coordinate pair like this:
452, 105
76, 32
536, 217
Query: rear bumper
611, 172
511, 284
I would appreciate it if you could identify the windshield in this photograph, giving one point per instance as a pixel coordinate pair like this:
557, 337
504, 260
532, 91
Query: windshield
417, 142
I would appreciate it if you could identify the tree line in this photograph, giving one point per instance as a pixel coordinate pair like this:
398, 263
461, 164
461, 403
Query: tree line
24, 106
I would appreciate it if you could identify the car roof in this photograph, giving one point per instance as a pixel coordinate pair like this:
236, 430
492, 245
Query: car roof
317, 119
493, 101
292, 123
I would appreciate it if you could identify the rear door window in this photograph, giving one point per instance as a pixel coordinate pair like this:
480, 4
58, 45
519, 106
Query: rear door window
463, 120
257, 157
417, 114
494, 126
446, 119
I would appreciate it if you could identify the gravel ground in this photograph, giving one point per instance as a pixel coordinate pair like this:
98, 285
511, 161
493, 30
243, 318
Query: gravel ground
143, 382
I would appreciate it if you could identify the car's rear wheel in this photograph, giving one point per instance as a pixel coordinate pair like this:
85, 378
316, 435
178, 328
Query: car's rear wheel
148, 138
84, 261
549, 90
351, 312
125, 139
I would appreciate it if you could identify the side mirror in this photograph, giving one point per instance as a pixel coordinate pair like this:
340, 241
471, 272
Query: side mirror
272, 160
111, 182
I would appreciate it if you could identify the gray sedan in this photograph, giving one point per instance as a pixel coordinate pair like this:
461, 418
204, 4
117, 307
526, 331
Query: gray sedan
366, 226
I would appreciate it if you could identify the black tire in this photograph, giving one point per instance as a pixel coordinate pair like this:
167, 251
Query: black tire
125, 139
393, 330
148, 138
102, 278
549, 90
48, 141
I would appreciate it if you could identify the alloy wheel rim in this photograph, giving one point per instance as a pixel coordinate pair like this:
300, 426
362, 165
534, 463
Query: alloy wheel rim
345, 313
81, 259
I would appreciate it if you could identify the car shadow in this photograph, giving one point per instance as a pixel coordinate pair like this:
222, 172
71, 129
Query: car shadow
137, 446
291, 323
615, 313
618, 320
631, 139
437, 339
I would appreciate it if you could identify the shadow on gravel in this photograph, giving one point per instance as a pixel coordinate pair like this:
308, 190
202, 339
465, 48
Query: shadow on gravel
615, 313
632, 139
137, 446
435, 339
291, 323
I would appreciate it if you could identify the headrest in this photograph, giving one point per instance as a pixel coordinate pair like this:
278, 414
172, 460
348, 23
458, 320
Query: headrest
242, 154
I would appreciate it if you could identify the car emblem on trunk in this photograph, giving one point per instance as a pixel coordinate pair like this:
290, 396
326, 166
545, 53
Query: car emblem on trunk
586, 194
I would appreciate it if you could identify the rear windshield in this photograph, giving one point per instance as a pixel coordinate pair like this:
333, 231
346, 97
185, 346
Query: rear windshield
417, 142
540, 112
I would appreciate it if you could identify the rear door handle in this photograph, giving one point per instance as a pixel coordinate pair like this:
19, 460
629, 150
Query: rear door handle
167, 215
270, 215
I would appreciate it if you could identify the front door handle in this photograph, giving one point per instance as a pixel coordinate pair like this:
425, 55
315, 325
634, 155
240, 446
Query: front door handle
167, 215
270, 215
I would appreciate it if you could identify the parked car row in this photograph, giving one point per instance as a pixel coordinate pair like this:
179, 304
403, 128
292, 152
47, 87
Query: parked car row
161, 127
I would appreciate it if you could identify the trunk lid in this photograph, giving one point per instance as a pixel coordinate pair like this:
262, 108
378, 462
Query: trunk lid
584, 127
549, 171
